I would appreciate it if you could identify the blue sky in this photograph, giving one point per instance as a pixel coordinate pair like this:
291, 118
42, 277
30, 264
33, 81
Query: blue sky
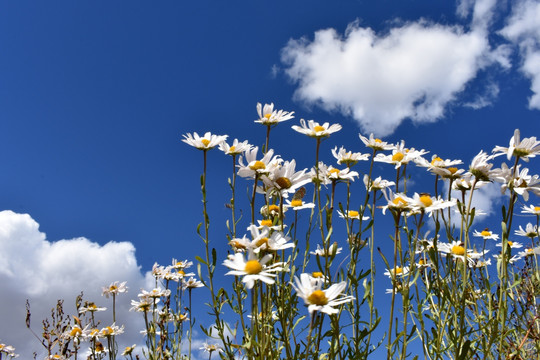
95, 95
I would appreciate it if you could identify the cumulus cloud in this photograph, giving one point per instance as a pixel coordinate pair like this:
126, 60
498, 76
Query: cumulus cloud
412, 71
33, 268
523, 29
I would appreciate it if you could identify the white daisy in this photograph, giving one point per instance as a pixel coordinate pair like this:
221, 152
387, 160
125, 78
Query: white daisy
317, 299
531, 209
284, 179
512, 245
262, 240
191, 283
425, 203
332, 250
316, 130
334, 174
253, 269
531, 231
114, 289
376, 144
398, 271
524, 149
377, 184
298, 204
480, 168
268, 116
397, 202
351, 214
237, 148
486, 234
400, 155
348, 157
207, 142
255, 166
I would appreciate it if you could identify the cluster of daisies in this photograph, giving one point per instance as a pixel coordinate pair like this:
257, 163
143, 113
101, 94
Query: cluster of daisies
8, 351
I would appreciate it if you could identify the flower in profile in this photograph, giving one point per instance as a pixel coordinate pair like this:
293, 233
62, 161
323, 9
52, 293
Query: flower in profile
252, 269
426, 203
334, 174
480, 167
398, 271
191, 283
298, 204
237, 148
400, 155
333, 250
523, 149
467, 182
530, 231
210, 348
155, 293
444, 168
531, 209
207, 142
256, 167
316, 130
112, 330
377, 184
317, 299
262, 240
375, 143
284, 179
91, 307
241, 244
75, 333
268, 116
530, 252
457, 250
520, 182
144, 305
397, 202
114, 288
8, 350
128, 350
486, 234
511, 245
351, 214
348, 158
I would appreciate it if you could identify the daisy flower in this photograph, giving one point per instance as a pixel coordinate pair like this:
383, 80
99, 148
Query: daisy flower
332, 250
263, 241
530, 252
316, 130
456, 250
400, 155
207, 142
75, 333
284, 179
444, 168
480, 168
531, 231
144, 305
524, 149
376, 144
531, 209
253, 269
466, 183
114, 289
128, 350
351, 214
8, 350
334, 174
486, 234
398, 271
397, 202
210, 348
91, 307
377, 184
425, 203
268, 116
236, 148
191, 283
256, 166
348, 157
512, 245
112, 330
317, 299
298, 204
155, 293
241, 244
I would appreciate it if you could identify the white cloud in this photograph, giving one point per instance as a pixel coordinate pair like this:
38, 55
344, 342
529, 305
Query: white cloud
523, 29
33, 268
413, 71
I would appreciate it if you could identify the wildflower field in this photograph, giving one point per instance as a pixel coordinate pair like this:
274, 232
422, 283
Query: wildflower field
305, 257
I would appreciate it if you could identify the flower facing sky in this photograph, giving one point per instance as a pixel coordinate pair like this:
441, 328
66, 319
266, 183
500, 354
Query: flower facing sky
257, 166
284, 179
268, 116
316, 130
114, 289
237, 147
375, 143
523, 149
207, 142
252, 269
326, 301
348, 158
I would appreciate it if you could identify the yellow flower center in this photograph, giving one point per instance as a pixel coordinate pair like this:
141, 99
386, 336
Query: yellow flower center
232, 148
436, 160
76, 331
99, 347
378, 141
317, 274
397, 157
537, 208
398, 270
399, 201
273, 208
261, 242
113, 288
421, 262
510, 243
458, 250
319, 128
452, 170
237, 244
205, 142
485, 232
284, 182
266, 222
353, 213
253, 267
257, 165
296, 203
426, 200
108, 331
267, 116
318, 297
94, 332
